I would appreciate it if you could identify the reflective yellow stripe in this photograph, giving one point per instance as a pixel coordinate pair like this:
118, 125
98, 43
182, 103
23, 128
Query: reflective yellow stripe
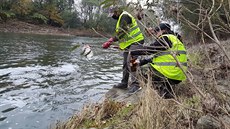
135, 35
134, 28
170, 64
170, 52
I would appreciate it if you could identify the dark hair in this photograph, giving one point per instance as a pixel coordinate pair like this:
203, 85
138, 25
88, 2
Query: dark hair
162, 26
118, 8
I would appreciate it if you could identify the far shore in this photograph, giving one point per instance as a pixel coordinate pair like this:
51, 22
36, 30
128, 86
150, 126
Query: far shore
15, 26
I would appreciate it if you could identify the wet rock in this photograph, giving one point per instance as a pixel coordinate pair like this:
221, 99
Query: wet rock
121, 95
208, 122
2, 118
9, 109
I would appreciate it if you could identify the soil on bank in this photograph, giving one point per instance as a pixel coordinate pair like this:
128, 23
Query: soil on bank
16, 26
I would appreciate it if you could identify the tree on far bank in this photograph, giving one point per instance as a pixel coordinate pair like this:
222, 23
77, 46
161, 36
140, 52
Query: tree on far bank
94, 16
60, 13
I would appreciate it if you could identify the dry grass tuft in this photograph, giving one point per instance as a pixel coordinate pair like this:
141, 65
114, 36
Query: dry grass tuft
98, 116
154, 112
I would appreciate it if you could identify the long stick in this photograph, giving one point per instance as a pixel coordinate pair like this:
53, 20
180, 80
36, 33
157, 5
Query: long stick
100, 34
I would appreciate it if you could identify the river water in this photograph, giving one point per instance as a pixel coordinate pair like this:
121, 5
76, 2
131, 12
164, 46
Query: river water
42, 81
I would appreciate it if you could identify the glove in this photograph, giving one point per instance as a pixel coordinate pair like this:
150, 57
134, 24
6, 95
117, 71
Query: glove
134, 62
107, 43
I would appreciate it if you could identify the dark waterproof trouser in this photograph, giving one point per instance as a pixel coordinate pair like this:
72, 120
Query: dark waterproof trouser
162, 84
126, 61
125, 77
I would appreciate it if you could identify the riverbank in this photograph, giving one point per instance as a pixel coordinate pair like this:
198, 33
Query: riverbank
15, 26
201, 102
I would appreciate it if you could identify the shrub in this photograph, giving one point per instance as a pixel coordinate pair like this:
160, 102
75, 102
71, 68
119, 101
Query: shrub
4, 16
39, 18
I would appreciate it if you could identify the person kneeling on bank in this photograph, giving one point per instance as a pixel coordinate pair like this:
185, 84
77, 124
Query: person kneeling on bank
168, 63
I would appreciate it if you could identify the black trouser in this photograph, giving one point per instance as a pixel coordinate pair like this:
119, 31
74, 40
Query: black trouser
161, 83
125, 68
126, 61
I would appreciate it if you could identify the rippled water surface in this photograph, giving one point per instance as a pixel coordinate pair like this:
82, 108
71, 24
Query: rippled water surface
42, 81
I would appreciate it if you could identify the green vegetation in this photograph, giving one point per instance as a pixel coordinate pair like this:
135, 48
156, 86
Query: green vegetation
86, 14
39, 18
4, 15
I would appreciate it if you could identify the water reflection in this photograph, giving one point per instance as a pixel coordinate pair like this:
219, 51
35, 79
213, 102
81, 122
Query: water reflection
42, 81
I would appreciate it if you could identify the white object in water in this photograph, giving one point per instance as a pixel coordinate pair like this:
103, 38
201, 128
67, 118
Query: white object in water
86, 51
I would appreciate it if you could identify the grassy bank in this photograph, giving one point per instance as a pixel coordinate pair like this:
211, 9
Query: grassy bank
201, 102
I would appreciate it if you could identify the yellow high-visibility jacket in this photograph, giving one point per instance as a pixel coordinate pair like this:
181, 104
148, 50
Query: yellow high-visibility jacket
166, 62
133, 34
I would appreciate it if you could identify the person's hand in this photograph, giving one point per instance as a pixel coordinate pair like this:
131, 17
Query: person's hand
134, 62
107, 43
149, 31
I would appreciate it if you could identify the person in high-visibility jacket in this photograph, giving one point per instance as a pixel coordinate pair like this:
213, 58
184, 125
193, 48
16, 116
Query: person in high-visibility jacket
128, 35
169, 61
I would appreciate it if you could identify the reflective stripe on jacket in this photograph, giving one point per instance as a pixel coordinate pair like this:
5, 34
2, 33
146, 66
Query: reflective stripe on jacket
133, 34
166, 61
